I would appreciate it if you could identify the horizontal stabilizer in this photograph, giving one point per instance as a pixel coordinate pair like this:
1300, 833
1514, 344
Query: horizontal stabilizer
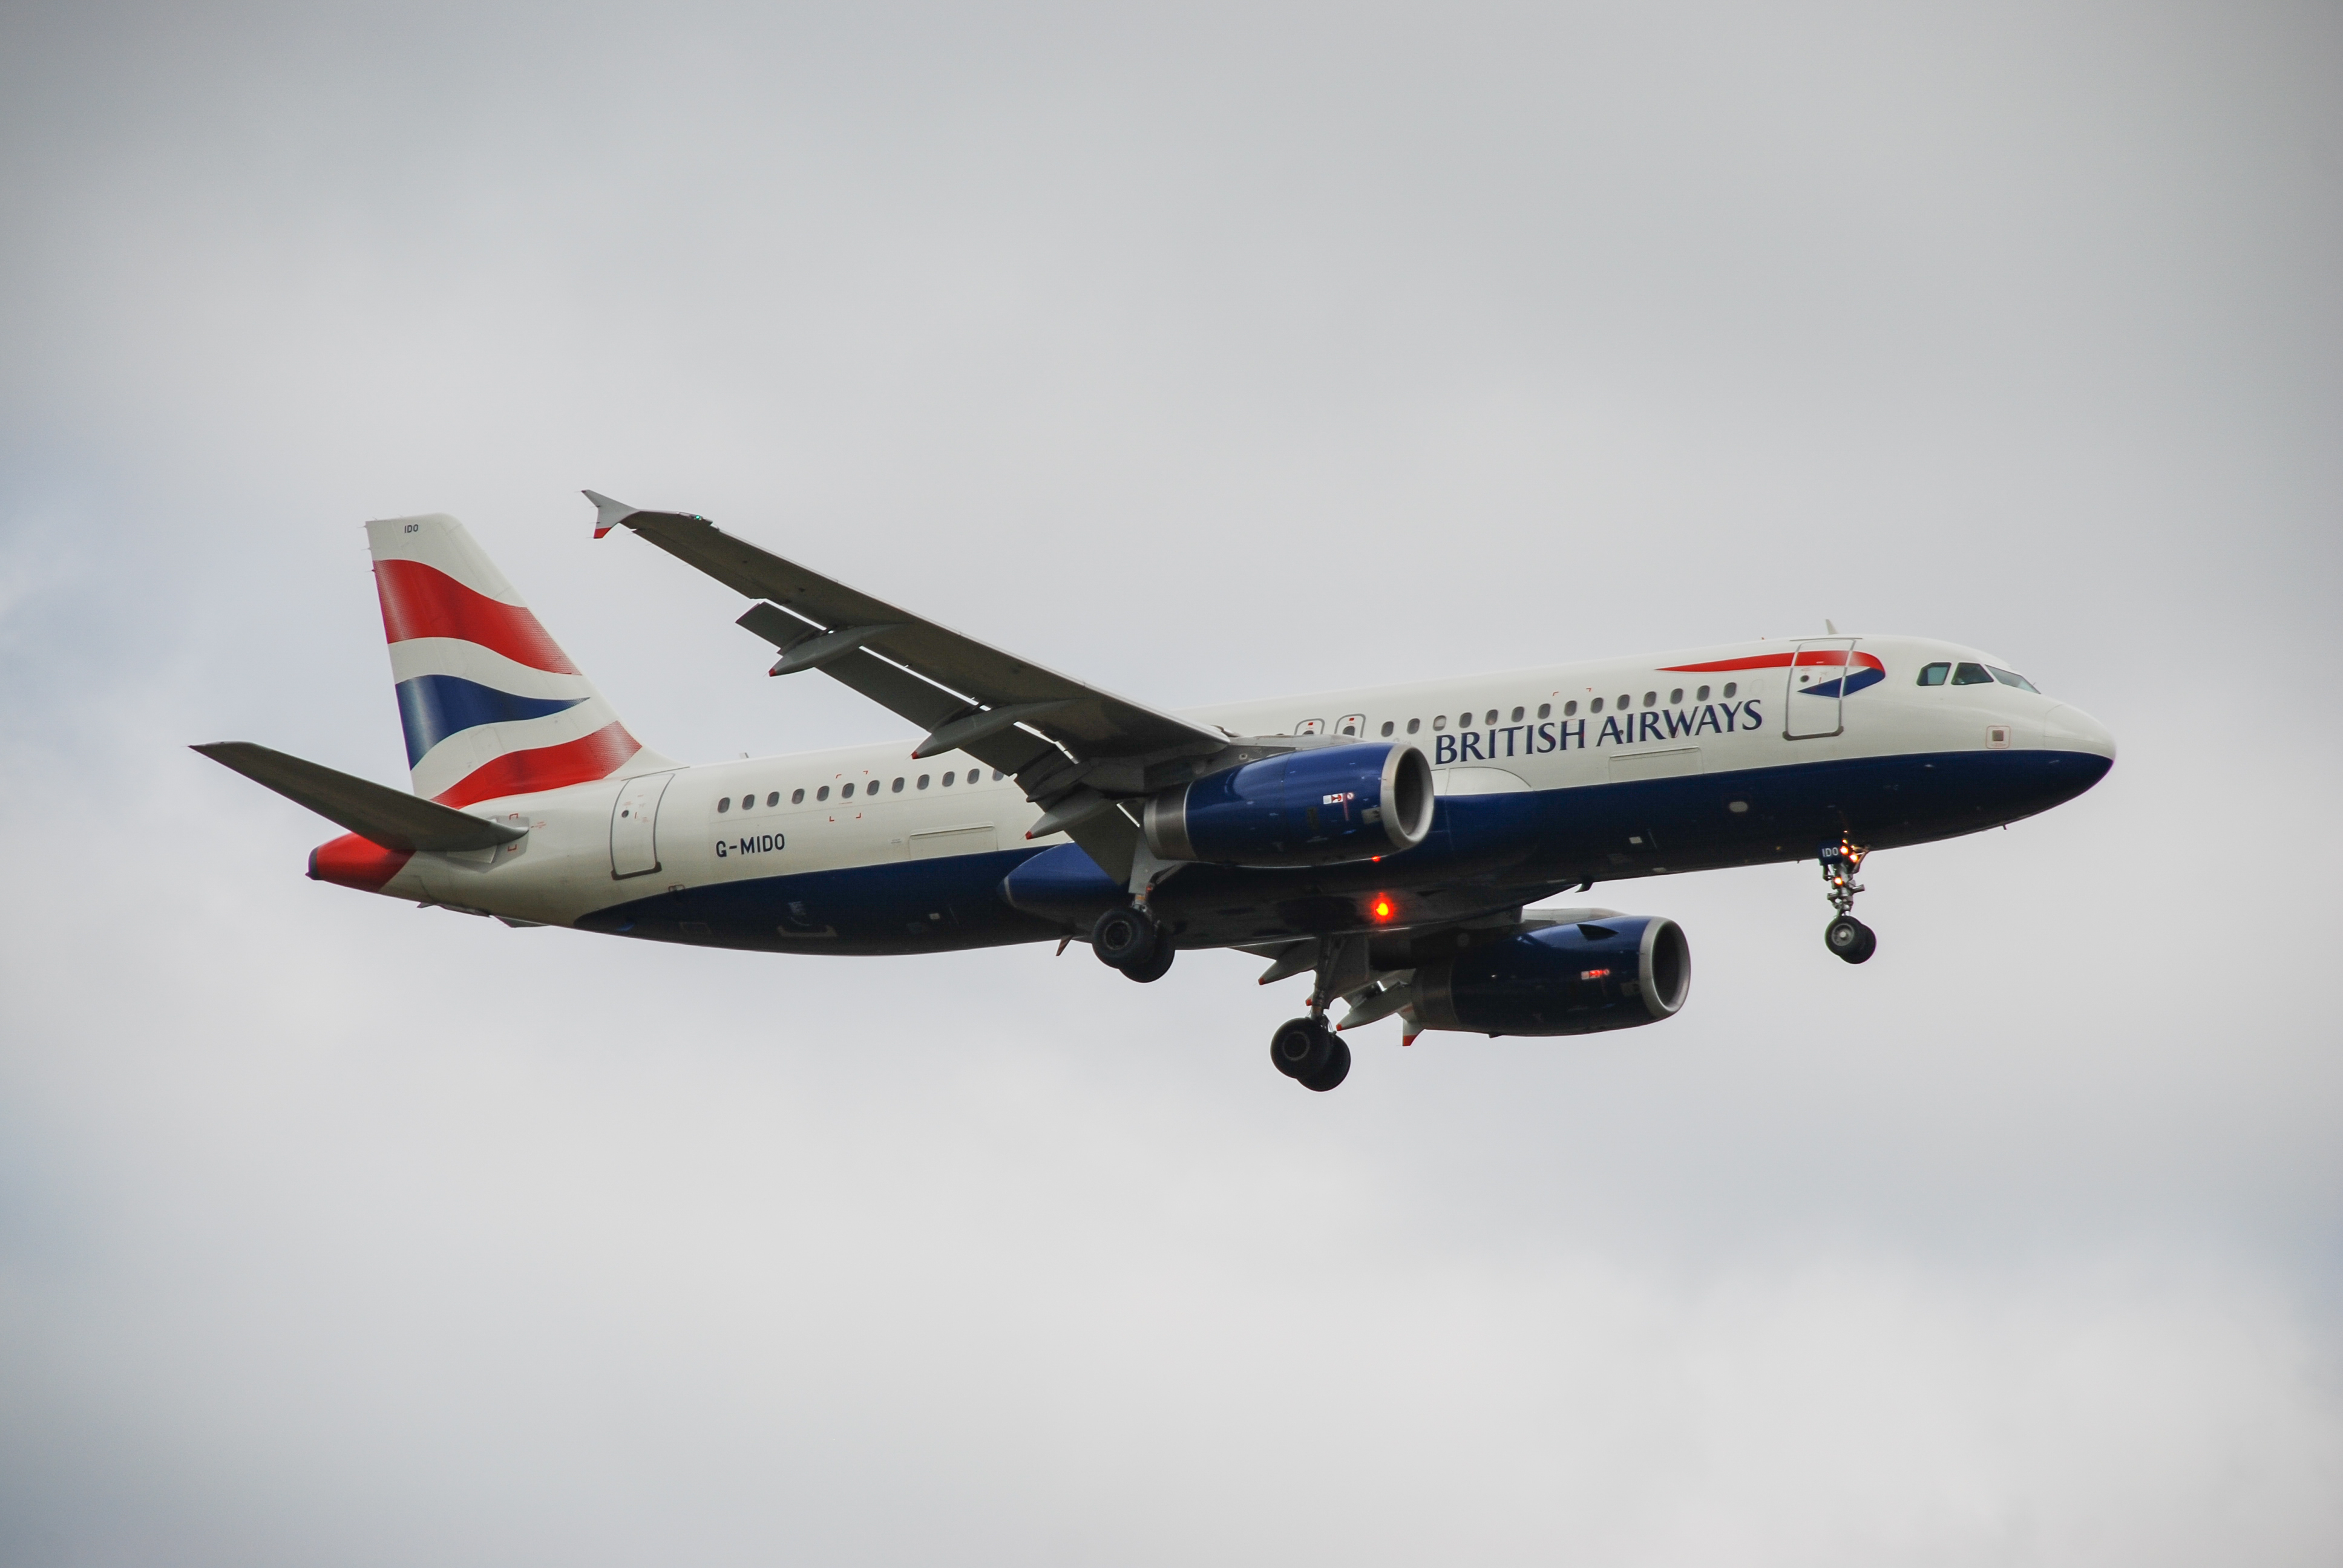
390, 818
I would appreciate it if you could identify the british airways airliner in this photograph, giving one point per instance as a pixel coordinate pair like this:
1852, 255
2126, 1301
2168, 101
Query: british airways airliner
1390, 841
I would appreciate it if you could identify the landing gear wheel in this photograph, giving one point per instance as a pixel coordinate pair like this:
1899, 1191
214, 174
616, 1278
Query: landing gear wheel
1155, 968
1299, 1045
1127, 939
1850, 938
1308, 1052
1337, 1068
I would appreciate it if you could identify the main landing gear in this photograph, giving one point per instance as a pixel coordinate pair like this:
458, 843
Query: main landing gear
1846, 937
1305, 1048
1307, 1051
1131, 940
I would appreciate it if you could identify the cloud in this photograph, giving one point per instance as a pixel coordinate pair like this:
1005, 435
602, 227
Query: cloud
1206, 355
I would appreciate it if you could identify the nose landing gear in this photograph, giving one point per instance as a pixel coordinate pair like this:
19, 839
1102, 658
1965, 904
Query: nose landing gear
1846, 937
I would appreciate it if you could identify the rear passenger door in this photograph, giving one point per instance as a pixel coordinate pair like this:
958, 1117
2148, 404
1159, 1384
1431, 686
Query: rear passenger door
634, 821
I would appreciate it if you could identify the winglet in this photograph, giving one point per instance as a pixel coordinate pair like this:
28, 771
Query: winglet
608, 514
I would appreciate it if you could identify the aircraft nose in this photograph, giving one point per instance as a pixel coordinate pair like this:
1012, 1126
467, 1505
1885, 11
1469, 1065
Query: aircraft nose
2072, 729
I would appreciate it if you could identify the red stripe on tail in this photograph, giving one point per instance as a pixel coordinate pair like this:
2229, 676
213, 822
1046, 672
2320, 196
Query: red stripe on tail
579, 761
419, 600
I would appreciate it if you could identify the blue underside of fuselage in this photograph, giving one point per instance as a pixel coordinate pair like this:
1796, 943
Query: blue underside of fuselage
1485, 852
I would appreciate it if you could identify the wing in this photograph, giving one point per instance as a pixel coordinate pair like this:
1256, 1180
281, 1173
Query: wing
1075, 750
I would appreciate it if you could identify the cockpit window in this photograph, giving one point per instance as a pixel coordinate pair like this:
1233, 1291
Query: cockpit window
2009, 678
1971, 674
1933, 674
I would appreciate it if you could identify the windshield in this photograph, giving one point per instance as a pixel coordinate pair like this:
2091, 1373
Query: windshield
2009, 678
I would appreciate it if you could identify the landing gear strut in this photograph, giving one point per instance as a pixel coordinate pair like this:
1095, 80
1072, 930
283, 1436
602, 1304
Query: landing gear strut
1130, 939
1305, 1048
1846, 937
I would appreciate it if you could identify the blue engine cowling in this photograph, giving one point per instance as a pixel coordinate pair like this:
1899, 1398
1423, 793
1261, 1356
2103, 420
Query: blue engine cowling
1582, 978
1316, 808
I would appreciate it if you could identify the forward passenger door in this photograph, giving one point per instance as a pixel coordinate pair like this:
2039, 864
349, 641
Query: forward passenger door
1814, 704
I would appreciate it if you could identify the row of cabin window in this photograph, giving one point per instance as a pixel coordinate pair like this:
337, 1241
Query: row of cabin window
1974, 675
846, 793
1569, 709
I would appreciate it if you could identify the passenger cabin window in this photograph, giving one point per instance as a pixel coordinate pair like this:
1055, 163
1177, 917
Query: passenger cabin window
1414, 724
1389, 727
1464, 720
1492, 717
1546, 710
1651, 700
1570, 708
923, 780
1731, 687
948, 778
774, 799
1676, 696
1596, 706
1517, 715
846, 793
1702, 696
1625, 701
2011, 678
897, 787
1933, 674
1971, 674
1439, 721
822, 793
797, 797
725, 804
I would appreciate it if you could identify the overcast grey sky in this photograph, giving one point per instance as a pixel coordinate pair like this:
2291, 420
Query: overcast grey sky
1208, 354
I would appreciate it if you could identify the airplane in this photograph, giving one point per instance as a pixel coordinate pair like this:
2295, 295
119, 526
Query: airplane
1391, 842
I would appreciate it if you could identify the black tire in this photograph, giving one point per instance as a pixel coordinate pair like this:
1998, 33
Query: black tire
1337, 1066
1125, 937
1850, 939
1155, 968
1298, 1046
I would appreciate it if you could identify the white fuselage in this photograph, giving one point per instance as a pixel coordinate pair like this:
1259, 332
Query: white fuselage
1524, 731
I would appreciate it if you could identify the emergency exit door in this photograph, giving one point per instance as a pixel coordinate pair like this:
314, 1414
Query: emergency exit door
634, 825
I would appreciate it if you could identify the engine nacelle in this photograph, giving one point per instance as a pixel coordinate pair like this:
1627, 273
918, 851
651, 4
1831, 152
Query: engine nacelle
1316, 808
1580, 978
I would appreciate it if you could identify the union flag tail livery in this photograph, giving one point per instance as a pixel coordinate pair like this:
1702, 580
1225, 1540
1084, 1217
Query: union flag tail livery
490, 703
1388, 841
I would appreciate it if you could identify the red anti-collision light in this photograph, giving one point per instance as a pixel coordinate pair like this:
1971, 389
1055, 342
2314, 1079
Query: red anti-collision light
1383, 908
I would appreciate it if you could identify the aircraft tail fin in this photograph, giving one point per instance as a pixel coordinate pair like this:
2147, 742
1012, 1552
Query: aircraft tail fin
490, 703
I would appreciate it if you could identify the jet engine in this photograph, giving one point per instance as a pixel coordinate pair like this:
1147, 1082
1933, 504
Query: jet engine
1578, 978
1316, 808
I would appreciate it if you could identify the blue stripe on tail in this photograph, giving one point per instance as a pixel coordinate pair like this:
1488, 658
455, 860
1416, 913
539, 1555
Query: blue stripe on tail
431, 708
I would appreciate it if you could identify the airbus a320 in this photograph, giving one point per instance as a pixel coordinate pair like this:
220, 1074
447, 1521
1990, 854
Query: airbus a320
1391, 843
